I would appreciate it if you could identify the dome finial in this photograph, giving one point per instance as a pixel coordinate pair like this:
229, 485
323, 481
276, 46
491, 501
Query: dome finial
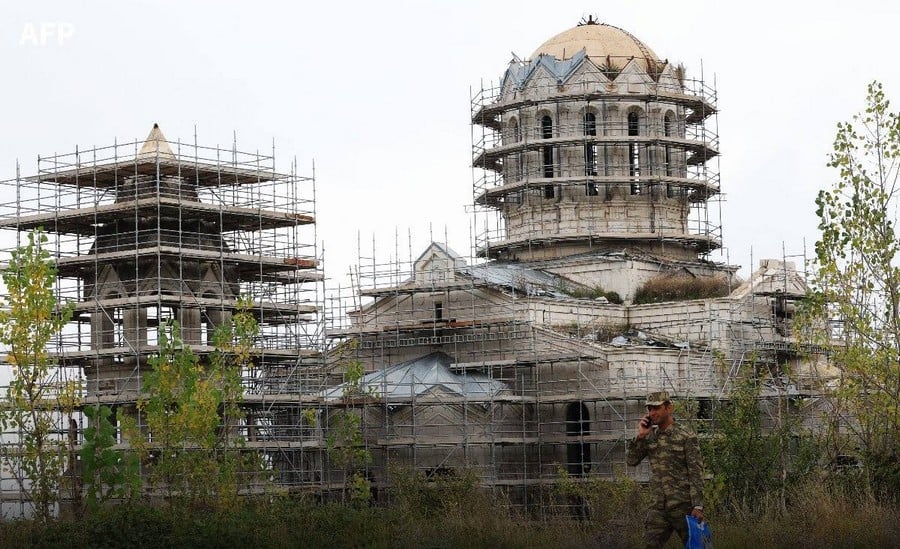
589, 20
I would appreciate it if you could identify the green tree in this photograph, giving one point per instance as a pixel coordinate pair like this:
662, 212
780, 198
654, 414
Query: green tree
192, 412
345, 442
753, 461
28, 322
229, 364
857, 282
107, 473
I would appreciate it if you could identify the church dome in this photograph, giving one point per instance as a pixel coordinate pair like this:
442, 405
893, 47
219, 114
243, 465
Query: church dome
599, 40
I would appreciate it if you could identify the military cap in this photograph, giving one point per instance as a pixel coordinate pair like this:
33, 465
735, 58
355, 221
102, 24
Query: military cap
657, 398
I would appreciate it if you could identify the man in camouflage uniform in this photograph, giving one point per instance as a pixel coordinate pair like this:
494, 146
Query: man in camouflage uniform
677, 468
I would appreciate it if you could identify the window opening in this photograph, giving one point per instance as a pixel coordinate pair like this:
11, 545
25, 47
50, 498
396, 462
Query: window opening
578, 424
667, 130
634, 156
547, 133
158, 318
590, 149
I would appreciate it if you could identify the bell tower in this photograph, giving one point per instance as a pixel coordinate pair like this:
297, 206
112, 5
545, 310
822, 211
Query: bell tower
595, 144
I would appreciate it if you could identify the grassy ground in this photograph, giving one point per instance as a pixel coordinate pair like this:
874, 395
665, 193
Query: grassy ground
462, 519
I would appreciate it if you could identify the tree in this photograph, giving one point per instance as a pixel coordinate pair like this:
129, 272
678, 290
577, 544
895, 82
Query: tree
106, 473
28, 322
345, 442
857, 282
229, 364
754, 463
192, 412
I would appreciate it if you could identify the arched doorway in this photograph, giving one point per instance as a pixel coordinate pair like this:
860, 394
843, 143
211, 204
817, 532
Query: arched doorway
578, 425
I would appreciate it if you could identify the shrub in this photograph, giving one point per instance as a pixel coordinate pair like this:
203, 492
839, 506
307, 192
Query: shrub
592, 292
680, 288
816, 516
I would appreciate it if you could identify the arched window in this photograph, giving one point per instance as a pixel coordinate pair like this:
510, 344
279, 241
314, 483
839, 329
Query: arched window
578, 424
590, 151
515, 136
546, 127
634, 157
668, 122
547, 133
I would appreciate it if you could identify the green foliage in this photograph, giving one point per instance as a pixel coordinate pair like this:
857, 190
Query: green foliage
616, 506
345, 443
447, 493
346, 446
231, 360
680, 288
857, 281
191, 411
815, 517
591, 292
107, 474
753, 464
28, 321
359, 489
613, 297
580, 291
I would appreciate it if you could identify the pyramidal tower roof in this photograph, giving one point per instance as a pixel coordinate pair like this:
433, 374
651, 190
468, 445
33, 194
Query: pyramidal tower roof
156, 145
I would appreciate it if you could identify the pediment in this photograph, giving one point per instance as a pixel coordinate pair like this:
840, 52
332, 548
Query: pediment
589, 75
437, 264
634, 78
668, 80
109, 285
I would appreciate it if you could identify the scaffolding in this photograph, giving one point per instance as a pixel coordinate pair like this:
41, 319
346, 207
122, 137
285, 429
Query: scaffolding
513, 362
509, 372
146, 232
620, 161
508, 361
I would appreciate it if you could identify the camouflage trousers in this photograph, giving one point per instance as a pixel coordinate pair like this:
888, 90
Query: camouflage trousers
660, 523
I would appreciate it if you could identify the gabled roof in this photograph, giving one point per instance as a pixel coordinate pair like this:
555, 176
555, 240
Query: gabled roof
774, 277
426, 374
519, 73
441, 249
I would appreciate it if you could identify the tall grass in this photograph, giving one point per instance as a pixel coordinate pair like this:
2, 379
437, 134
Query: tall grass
455, 513
815, 516
680, 288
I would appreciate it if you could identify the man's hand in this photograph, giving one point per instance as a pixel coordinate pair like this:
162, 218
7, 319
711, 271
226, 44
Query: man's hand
644, 427
697, 513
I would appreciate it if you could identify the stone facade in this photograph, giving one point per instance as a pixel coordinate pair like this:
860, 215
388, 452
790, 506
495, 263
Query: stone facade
598, 165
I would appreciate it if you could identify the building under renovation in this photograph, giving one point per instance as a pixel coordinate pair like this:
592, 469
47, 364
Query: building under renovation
596, 172
588, 285
152, 231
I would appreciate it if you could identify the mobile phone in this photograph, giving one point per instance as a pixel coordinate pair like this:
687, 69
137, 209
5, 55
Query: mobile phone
646, 422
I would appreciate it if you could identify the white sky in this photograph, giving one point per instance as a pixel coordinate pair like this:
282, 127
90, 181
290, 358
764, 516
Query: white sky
377, 93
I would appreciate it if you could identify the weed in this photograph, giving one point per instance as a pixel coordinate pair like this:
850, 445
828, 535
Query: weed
680, 288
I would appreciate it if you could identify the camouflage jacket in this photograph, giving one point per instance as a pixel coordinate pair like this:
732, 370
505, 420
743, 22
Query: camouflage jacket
676, 465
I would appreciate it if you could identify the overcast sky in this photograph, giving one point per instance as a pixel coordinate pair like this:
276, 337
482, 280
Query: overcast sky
377, 94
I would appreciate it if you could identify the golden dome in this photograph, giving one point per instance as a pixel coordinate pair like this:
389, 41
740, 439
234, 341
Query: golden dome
599, 40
